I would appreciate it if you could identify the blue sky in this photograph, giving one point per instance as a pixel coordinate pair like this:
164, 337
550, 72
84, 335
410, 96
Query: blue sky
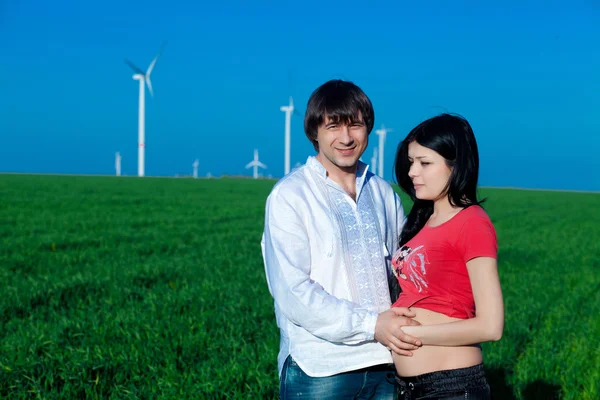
526, 76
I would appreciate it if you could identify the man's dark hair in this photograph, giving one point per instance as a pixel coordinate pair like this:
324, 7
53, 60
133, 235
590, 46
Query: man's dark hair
343, 102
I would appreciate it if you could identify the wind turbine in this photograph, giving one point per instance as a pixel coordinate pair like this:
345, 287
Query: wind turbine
288, 110
195, 165
144, 78
255, 163
374, 161
118, 163
381, 133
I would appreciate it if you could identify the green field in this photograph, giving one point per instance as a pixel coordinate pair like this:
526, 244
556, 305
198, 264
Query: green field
150, 288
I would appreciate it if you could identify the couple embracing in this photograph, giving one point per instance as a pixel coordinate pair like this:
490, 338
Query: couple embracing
372, 303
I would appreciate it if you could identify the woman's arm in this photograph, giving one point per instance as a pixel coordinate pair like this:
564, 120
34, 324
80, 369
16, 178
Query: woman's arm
488, 323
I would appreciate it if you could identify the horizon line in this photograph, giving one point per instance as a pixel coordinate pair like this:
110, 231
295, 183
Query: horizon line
275, 179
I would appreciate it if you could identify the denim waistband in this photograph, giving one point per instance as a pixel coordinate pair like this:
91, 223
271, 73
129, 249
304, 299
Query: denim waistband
445, 380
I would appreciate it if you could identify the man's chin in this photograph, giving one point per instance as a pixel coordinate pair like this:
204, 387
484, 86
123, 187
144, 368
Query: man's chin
346, 164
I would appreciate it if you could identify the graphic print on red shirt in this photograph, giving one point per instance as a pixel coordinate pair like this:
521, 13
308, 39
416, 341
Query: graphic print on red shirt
411, 264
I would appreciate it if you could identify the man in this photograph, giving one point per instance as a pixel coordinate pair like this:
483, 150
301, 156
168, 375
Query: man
330, 229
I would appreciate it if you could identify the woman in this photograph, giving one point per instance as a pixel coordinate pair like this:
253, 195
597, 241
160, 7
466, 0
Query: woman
446, 263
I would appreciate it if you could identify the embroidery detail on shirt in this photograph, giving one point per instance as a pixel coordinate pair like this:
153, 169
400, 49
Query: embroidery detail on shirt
409, 264
373, 243
363, 246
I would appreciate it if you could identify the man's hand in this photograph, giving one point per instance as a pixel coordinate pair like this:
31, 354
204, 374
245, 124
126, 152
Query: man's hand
388, 332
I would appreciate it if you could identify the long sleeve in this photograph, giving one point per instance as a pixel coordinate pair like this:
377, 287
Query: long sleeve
287, 257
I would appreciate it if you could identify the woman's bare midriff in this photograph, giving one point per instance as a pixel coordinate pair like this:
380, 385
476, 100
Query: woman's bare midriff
436, 358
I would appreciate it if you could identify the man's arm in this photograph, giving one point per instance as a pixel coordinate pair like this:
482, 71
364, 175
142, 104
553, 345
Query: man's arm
488, 323
286, 252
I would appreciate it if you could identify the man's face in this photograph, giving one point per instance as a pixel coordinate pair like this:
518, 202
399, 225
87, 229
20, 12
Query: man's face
341, 145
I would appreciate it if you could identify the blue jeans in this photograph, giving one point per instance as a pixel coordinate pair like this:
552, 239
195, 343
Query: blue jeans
377, 382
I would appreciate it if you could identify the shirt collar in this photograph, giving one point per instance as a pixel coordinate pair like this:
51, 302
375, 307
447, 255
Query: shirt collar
361, 171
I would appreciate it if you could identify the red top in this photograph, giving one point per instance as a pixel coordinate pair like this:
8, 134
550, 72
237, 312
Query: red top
432, 266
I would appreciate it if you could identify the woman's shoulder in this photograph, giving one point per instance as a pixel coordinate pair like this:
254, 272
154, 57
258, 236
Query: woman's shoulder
476, 211
473, 215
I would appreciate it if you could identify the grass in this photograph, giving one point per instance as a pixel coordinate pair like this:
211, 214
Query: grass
154, 288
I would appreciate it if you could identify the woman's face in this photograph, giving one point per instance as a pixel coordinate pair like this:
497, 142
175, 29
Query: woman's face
428, 171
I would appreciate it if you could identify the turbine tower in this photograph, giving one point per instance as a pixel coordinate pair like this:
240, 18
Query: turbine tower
381, 133
118, 163
195, 165
144, 78
374, 161
288, 110
255, 163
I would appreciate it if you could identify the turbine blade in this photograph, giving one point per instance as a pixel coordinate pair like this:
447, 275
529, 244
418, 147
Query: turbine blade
134, 67
149, 84
250, 164
261, 165
151, 67
162, 46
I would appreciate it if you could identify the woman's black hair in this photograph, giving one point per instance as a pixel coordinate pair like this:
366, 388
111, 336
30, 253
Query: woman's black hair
450, 136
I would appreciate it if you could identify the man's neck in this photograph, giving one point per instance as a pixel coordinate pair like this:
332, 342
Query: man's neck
345, 177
